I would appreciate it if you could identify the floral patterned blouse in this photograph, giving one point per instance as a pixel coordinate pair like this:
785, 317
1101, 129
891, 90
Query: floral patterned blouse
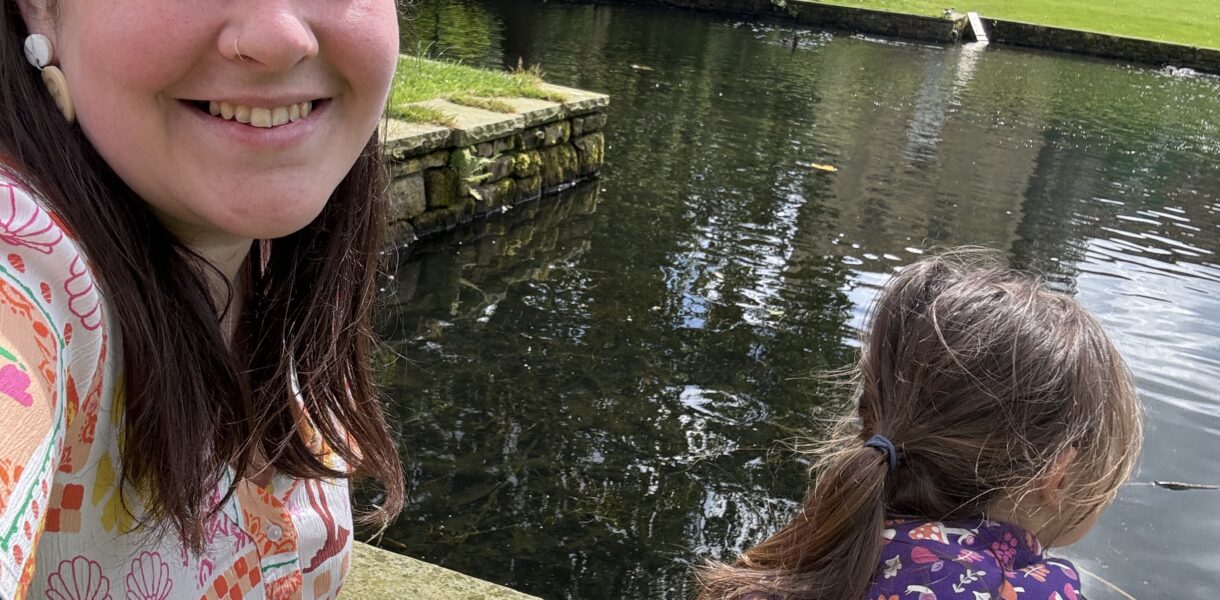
64, 533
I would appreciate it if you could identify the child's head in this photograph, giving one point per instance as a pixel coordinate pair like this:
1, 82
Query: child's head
1000, 395
1003, 400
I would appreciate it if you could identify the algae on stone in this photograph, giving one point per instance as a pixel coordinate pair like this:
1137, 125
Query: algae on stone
559, 165
441, 186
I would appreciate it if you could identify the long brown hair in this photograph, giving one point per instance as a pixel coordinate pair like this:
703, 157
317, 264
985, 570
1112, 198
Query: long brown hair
981, 378
194, 405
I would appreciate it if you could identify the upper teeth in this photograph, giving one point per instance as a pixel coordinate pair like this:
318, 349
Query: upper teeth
259, 116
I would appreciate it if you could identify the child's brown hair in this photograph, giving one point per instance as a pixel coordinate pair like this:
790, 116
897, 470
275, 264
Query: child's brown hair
982, 378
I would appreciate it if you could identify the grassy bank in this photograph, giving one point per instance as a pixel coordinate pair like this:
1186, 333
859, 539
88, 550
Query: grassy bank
420, 79
1190, 22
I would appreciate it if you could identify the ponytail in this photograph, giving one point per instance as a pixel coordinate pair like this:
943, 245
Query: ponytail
829, 550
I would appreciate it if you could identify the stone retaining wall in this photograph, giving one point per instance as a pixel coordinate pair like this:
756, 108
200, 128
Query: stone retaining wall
946, 29
490, 161
1102, 45
828, 16
953, 26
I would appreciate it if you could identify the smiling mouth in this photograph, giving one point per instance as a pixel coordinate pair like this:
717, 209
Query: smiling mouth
257, 116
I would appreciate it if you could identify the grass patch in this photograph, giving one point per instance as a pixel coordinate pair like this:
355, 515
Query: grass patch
419, 79
1190, 22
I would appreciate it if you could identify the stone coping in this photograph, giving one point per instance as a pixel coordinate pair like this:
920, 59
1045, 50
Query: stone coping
475, 125
378, 574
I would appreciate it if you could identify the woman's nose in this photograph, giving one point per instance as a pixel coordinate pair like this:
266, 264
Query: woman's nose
274, 34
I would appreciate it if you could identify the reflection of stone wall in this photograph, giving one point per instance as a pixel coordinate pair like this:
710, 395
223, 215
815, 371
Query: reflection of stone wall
490, 257
489, 161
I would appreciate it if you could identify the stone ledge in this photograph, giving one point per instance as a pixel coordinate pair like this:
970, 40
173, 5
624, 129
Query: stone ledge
535, 112
578, 102
475, 125
377, 574
403, 138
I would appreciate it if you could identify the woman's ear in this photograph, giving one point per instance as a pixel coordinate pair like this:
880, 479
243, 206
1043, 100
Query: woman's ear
1050, 492
37, 15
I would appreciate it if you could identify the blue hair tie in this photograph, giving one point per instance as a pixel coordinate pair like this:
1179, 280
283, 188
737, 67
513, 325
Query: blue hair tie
884, 444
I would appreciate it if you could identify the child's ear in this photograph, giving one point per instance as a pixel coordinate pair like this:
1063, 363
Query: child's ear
1051, 490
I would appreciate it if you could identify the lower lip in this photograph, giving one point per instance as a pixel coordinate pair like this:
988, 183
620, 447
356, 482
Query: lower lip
283, 137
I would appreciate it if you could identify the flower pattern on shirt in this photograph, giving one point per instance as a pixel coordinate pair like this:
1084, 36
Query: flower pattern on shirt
972, 560
65, 531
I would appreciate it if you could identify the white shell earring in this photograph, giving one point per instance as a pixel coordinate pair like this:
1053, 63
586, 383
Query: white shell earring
39, 51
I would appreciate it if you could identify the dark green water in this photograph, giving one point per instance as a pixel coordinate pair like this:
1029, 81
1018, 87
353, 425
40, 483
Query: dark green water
597, 391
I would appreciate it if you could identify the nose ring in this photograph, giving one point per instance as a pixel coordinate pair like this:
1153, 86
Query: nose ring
240, 56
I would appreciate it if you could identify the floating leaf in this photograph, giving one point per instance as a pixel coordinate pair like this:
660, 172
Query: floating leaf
822, 167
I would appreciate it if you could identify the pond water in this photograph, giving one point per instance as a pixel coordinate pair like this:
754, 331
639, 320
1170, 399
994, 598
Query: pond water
597, 391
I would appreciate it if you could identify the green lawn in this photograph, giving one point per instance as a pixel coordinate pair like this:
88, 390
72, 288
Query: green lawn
1191, 22
420, 79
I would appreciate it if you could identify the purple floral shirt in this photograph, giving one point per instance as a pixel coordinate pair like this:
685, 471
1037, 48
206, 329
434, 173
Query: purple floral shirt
974, 560
969, 560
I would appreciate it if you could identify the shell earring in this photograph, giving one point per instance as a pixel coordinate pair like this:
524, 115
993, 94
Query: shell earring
39, 52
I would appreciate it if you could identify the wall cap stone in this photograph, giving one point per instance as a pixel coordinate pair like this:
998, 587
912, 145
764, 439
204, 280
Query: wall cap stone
535, 112
404, 138
378, 574
579, 101
475, 125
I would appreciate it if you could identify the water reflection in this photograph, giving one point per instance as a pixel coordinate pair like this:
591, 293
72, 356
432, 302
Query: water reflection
597, 392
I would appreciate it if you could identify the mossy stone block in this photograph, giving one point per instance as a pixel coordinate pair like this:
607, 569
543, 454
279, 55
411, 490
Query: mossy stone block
429, 222
560, 165
494, 196
589, 124
501, 166
591, 152
441, 187
435, 159
557, 133
408, 198
530, 139
528, 189
527, 164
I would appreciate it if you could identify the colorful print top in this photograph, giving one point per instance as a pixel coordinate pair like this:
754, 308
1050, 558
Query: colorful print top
975, 560
64, 532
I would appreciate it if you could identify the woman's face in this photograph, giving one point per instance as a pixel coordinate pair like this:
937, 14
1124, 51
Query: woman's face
146, 75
